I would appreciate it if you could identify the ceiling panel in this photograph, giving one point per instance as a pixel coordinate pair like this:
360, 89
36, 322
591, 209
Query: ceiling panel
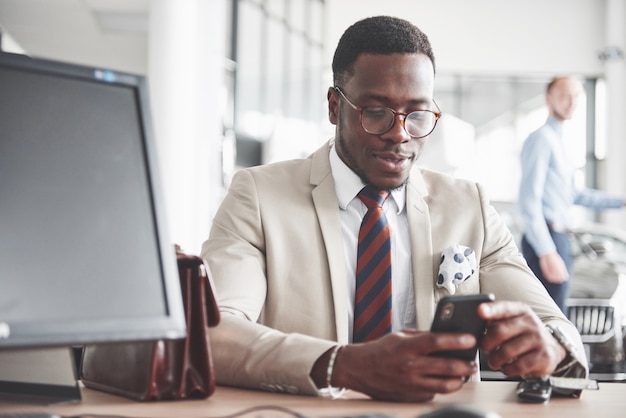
103, 33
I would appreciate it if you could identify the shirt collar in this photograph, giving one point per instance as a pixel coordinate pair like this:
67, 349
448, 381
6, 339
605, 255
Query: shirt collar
555, 124
348, 184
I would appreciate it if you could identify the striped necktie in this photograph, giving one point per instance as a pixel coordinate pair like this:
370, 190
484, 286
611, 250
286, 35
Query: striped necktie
372, 306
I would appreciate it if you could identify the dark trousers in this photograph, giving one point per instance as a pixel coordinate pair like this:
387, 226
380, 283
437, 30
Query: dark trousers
558, 291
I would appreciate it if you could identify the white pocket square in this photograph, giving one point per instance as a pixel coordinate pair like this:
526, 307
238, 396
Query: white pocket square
458, 263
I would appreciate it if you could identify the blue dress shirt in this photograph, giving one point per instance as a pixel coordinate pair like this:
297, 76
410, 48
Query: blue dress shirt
548, 190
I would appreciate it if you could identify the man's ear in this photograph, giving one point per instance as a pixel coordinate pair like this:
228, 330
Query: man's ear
333, 105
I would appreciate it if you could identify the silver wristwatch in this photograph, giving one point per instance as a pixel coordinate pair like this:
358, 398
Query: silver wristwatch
570, 358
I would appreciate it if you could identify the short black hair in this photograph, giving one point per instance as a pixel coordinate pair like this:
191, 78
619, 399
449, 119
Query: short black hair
377, 35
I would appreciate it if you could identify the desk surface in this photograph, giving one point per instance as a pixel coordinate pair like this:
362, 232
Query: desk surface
499, 397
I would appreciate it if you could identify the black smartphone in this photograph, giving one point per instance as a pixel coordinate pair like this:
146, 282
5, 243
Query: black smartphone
459, 313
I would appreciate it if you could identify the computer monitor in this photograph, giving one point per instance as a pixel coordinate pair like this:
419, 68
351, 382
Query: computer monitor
84, 250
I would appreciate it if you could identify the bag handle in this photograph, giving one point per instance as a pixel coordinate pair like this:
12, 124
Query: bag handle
187, 261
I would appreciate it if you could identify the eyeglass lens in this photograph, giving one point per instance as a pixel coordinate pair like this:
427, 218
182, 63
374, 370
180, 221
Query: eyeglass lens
378, 120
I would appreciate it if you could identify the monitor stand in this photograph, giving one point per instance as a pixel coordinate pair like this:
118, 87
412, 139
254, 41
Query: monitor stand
40, 376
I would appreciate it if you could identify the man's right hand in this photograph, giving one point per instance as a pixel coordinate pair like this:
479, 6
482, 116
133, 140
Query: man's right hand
397, 366
553, 268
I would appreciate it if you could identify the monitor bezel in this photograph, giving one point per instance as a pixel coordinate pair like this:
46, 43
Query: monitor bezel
77, 331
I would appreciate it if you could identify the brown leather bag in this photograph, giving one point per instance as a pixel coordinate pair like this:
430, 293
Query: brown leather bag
162, 369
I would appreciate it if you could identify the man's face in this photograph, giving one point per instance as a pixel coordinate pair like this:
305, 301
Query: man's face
563, 98
402, 82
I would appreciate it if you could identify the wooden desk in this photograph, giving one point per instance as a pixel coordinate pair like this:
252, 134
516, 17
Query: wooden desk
497, 397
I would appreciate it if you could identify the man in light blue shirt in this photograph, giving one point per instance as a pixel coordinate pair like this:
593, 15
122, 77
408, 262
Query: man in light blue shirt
548, 190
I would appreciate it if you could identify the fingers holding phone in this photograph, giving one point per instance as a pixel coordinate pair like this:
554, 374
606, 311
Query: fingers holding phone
459, 314
517, 342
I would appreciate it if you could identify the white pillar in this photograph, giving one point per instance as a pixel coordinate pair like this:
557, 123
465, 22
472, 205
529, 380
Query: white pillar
186, 56
615, 74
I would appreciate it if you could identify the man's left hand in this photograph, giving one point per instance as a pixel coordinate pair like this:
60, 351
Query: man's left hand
517, 342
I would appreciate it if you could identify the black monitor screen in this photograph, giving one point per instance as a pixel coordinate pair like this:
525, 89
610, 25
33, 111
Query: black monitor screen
84, 253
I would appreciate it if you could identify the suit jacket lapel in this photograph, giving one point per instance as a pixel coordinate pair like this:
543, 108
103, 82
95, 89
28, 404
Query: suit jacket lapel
422, 249
325, 202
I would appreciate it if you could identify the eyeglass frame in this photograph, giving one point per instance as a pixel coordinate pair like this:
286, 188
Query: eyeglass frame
361, 109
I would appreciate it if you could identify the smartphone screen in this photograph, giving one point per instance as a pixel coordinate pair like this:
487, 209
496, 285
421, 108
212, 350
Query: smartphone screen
459, 313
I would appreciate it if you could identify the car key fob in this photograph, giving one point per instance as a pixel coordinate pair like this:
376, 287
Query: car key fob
535, 389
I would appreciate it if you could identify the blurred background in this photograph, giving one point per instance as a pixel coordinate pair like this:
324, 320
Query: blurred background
243, 82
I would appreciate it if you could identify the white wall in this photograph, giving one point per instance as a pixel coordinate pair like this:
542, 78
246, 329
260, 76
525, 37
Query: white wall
615, 75
186, 74
494, 36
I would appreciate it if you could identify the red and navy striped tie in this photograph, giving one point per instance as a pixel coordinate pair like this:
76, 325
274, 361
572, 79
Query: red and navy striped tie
372, 307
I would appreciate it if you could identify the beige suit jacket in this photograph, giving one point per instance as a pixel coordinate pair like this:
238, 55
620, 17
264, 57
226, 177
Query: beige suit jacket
275, 253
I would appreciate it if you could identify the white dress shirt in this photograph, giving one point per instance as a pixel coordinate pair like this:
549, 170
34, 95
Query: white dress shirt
352, 211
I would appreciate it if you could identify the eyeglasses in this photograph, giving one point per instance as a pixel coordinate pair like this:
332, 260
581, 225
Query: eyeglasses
377, 120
